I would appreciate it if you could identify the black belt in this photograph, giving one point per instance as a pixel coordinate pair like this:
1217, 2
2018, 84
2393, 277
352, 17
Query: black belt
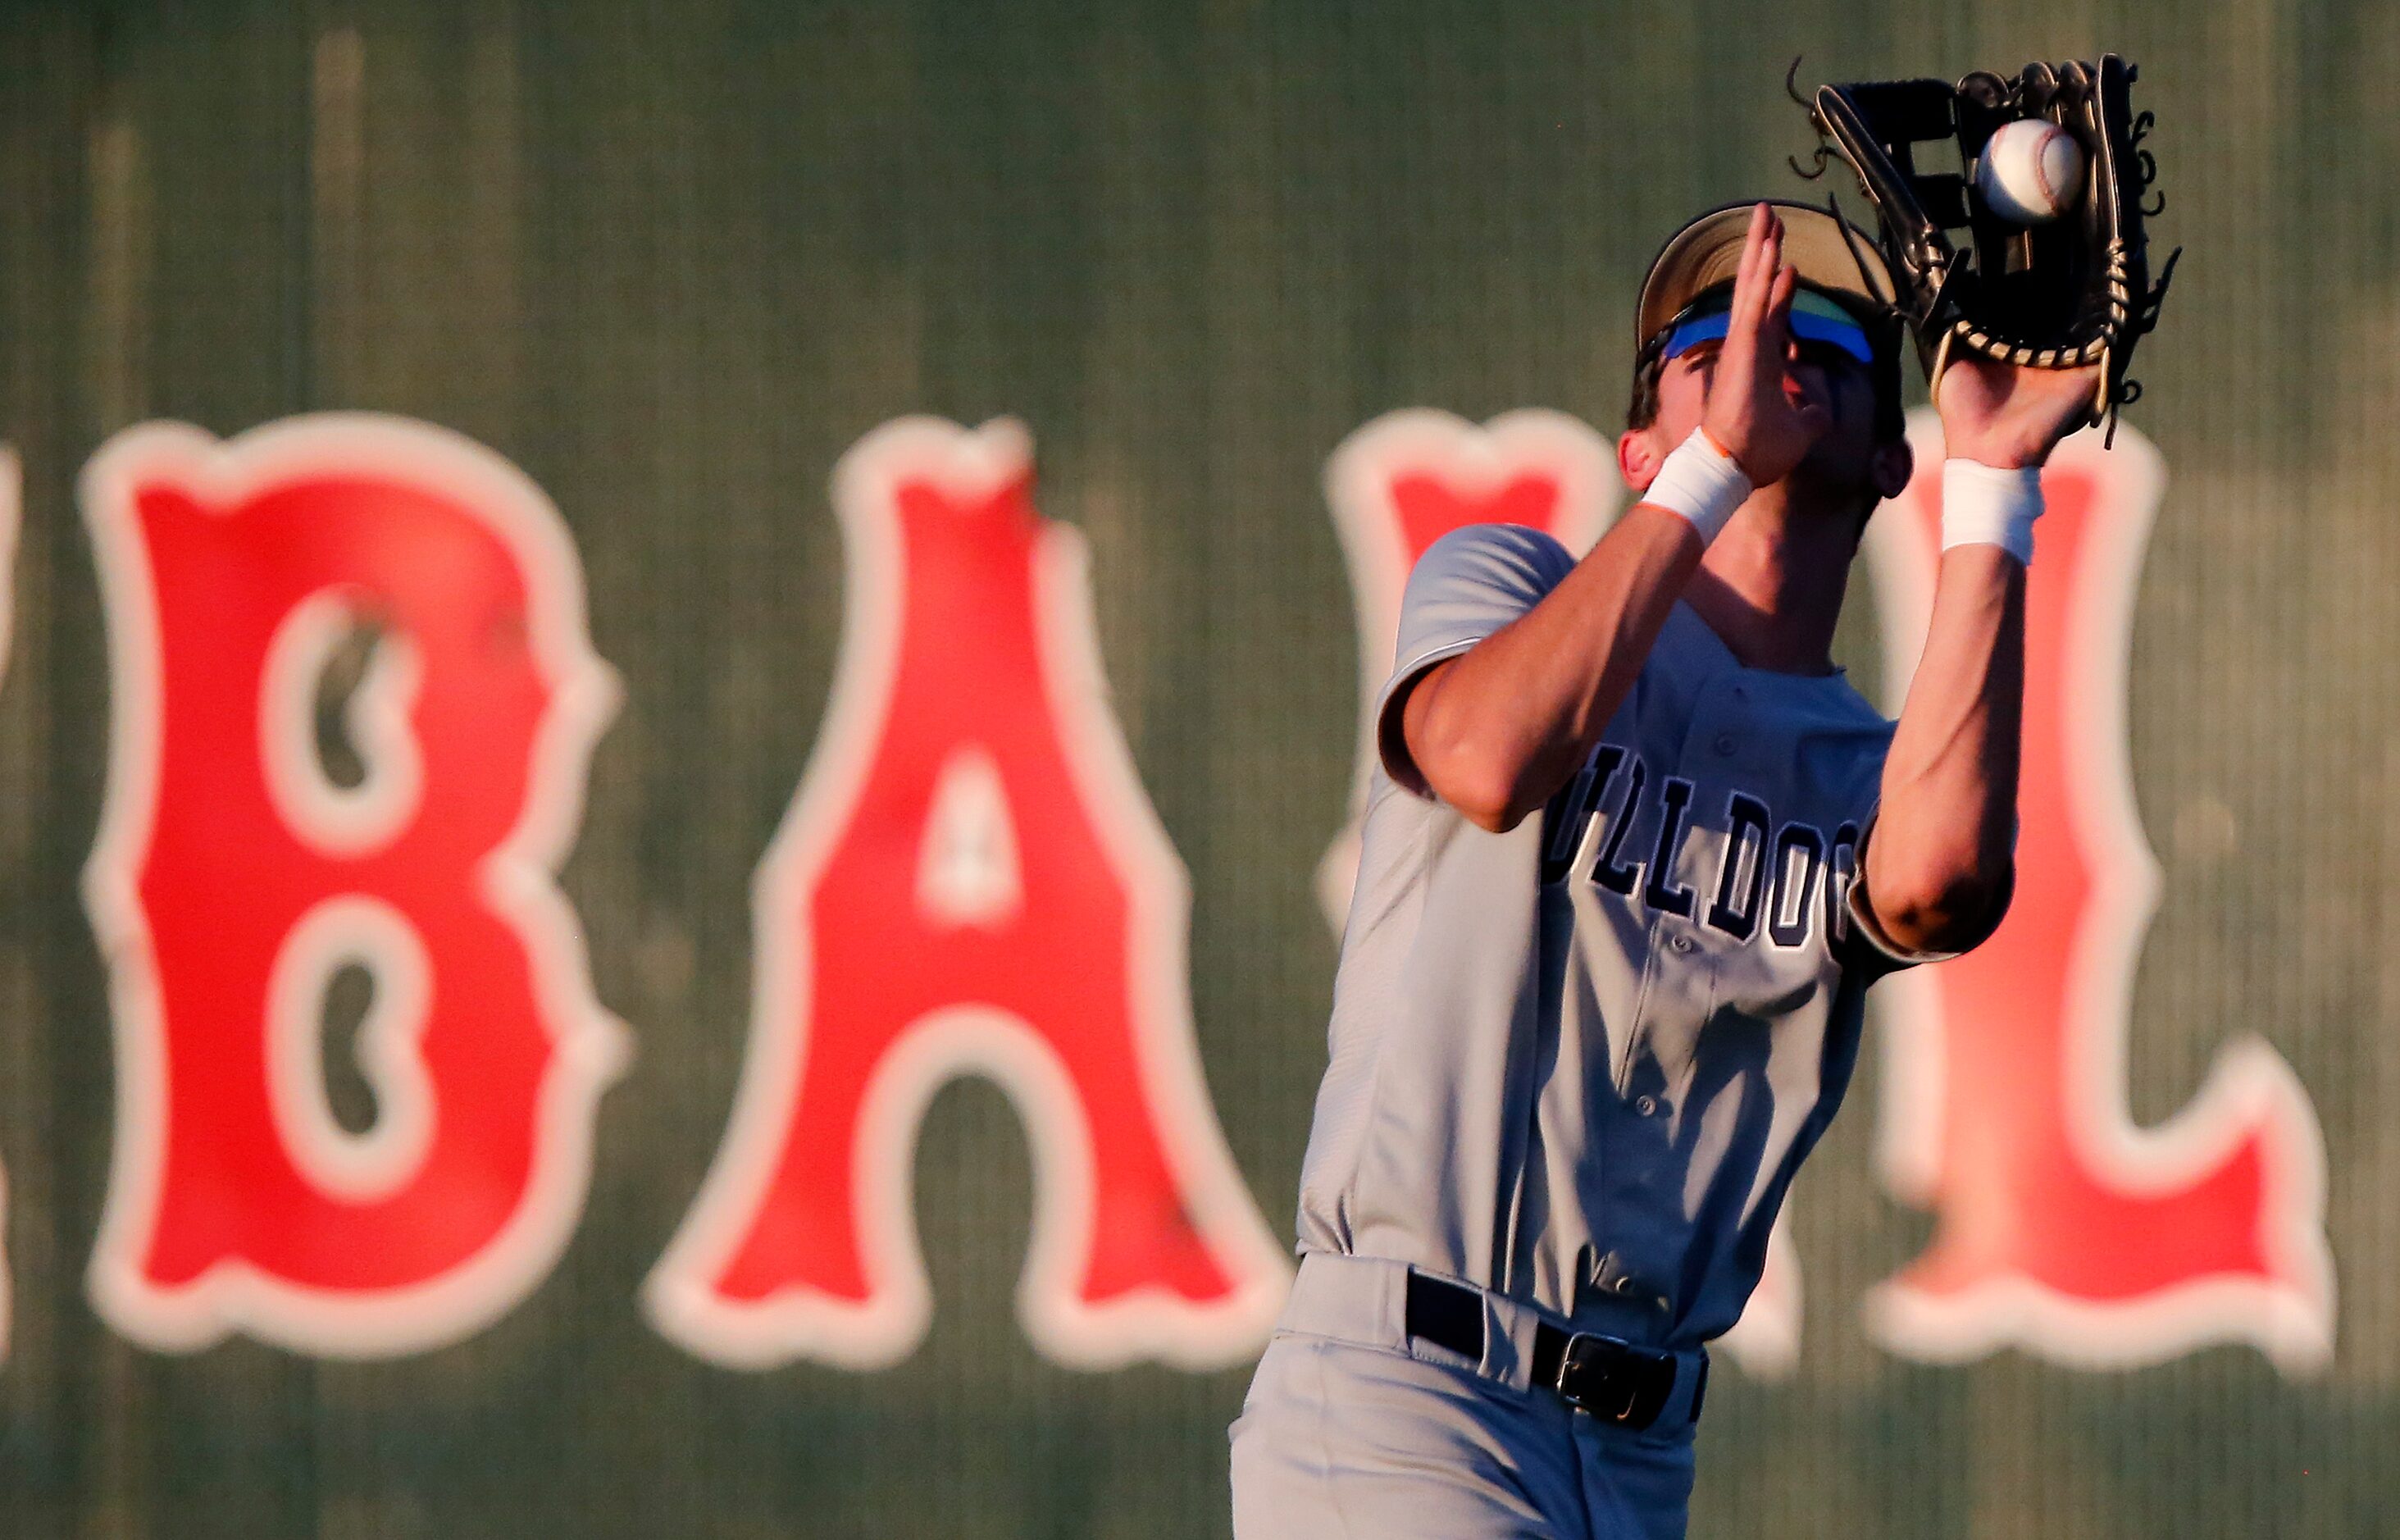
1611, 1379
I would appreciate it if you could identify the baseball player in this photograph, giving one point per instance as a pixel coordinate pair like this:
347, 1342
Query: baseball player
1633, 853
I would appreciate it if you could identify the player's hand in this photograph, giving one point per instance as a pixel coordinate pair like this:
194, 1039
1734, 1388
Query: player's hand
1757, 410
2007, 416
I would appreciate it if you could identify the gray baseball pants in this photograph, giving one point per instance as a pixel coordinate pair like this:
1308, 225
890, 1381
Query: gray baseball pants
1354, 1428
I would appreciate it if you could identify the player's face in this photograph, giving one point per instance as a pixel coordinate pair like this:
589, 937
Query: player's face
1845, 464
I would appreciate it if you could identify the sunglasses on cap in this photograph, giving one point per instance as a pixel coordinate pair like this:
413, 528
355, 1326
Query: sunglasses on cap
1814, 319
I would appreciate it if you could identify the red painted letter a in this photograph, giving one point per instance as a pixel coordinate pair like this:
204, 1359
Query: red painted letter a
970, 881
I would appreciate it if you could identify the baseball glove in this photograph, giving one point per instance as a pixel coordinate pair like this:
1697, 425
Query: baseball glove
2064, 294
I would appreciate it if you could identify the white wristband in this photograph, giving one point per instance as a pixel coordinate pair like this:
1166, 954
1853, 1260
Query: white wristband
1702, 483
1983, 505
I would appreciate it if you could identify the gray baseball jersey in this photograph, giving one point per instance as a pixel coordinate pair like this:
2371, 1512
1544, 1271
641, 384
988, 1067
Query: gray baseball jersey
1579, 1063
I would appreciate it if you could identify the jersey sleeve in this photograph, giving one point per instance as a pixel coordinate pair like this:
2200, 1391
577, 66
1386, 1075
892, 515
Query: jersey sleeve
1468, 585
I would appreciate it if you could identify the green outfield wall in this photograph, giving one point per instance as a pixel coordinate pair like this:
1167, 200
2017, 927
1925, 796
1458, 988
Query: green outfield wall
670, 262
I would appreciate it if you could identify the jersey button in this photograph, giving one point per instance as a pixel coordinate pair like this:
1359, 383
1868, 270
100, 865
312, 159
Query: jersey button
1683, 944
1646, 1106
1725, 744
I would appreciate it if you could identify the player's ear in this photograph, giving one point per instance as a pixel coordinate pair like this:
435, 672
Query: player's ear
1891, 465
1639, 458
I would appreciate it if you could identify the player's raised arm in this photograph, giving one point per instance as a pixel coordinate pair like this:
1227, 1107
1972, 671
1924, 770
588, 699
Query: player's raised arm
1939, 860
1497, 731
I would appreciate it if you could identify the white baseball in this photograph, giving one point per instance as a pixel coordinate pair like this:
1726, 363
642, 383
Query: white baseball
2030, 172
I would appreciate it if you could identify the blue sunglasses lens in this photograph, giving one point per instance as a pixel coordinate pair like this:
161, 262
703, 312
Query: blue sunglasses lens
1814, 319
1843, 333
1689, 335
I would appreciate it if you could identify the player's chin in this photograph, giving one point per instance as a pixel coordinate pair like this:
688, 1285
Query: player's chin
1841, 458
1836, 473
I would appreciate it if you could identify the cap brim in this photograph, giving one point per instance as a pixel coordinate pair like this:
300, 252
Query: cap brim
1707, 253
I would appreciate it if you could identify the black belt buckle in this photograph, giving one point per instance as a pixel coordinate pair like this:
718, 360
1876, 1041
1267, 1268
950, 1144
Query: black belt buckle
1614, 1380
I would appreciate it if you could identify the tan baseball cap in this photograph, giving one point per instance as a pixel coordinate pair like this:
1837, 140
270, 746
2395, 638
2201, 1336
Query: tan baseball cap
1707, 253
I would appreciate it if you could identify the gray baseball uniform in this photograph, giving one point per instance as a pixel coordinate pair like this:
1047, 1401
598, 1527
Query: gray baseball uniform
1573, 1065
